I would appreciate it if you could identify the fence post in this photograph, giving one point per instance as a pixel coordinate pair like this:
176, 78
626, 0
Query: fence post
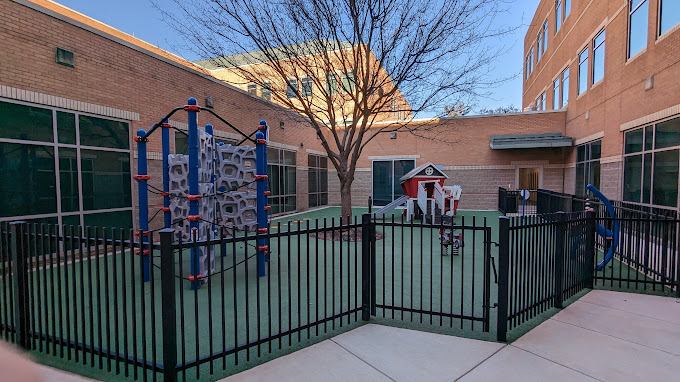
590, 249
19, 253
366, 267
559, 258
168, 306
373, 267
503, 277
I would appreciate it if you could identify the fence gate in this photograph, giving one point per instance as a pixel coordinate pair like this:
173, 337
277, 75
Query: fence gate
432, 274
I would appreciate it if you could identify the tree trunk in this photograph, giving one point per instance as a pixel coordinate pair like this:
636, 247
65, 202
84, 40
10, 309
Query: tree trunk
346, 197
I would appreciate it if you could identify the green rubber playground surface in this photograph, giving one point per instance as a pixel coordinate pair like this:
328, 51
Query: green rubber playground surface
310, 282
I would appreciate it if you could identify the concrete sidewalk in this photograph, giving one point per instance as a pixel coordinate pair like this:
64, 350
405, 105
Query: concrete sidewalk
607, 336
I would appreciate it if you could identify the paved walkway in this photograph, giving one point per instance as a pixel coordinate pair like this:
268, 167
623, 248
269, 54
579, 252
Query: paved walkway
606, 336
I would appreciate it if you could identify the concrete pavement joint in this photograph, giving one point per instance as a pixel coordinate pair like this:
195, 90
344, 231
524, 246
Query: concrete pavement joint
555, 362
364, 361
481, 362
619, 338
628, 311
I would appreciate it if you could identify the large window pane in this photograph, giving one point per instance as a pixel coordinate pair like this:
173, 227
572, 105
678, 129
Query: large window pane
382, 182
68, 179
567, 8
121, 219
666, 178
633, 141
104, 133
596, 150
181, 143
27, 181
598, 57
583, 71
565, 87
66, 127
632, 176
637, 34
556, 94
106, 179
594, 174
25, 122
670, 15
558, 15
580, 179
668, 134
647, 180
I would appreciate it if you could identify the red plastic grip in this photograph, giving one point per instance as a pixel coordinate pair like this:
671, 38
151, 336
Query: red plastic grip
166, 125
141, 177
163, 193
165, 209
263, 248
191, 108
267, 193
140, 139
146, 252
261, 141
192, 218
267, 208
261, 177
145, 233
194, 197
262, 230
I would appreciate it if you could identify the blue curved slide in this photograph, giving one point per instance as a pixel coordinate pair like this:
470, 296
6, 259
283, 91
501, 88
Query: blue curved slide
602, 231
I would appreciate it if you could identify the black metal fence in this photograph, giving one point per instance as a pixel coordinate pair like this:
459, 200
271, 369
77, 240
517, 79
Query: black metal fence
77, 293
437, 275
511, 202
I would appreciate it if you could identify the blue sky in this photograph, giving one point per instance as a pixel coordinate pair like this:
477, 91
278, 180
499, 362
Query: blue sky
140, 18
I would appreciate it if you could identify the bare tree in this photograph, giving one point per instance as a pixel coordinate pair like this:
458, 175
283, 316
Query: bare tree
500, 110
346, 64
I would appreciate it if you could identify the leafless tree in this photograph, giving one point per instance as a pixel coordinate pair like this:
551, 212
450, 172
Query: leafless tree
362, 61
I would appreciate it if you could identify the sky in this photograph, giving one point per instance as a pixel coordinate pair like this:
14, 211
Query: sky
141, 19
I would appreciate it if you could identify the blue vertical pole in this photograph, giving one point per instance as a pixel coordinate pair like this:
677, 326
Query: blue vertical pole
143, 196
193, 187
262, 208
166, 174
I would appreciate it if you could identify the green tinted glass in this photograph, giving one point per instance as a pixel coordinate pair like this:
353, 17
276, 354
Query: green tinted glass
665, 191
27, 181
68, 179
66, 127
632, 176
647, 179
634, 141
181, 143
72, 220
106, 179
100, 132
668, 134
121, 219
25, 122
596, 150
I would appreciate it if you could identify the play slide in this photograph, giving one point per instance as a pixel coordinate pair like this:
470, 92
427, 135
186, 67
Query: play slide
602, 231
391, 206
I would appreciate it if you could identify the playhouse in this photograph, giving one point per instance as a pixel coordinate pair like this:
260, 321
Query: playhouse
424, 188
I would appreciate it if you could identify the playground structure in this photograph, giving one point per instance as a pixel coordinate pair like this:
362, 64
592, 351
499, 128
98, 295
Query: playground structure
213, 188
426, 196
603, 231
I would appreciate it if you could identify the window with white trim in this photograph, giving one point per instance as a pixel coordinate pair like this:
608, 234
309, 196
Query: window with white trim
317, 178
669, 15
638, 18
583, 71
598, 57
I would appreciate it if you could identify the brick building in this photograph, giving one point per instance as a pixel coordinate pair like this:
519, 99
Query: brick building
73, 91
613, 67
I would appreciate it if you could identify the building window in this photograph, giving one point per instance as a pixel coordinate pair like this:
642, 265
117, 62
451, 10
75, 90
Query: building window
348, 82
252, 89
541, 101
588, 166
539, 45
637, 26
291, 88
331, 83
307, 86
71, 166
598, 57
282, 182
558, 15
567, 8
669, 15
386, 174
556, 94
545, 36
530, 62
651, 161
583, 71
565, 87
317, 181
266, 91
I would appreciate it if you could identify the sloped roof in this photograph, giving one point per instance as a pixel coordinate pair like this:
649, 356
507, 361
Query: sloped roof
275, 54
420, 171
